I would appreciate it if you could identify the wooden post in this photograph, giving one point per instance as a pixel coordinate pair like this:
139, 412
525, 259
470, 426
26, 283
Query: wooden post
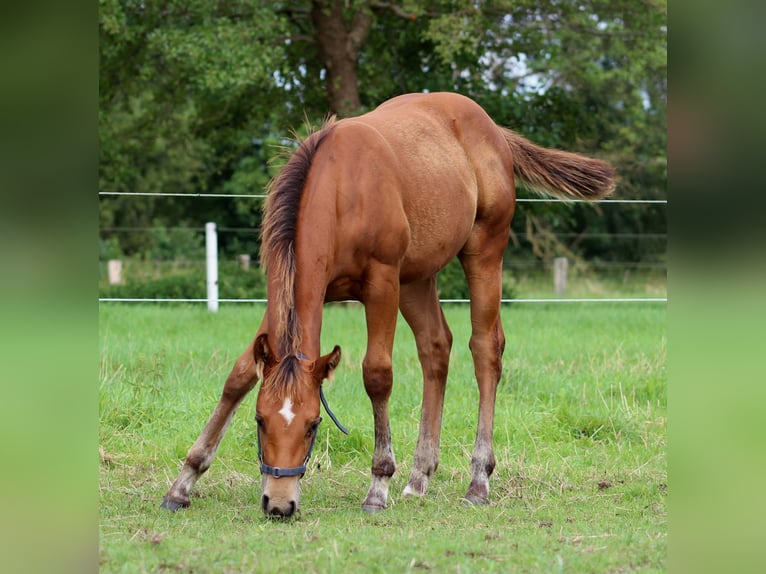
244, 261
560, 267
115, 271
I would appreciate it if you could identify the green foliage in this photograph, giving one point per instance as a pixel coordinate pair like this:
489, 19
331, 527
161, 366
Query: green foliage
190, 285
233, 283
453, 285
178, 82
197, 96
109, 249
175, 243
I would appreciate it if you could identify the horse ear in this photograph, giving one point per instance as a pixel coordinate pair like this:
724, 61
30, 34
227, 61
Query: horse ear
326, 364
262, 353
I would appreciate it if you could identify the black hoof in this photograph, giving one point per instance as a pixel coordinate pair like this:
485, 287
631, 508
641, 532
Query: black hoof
172, 505
370, 509
475, 500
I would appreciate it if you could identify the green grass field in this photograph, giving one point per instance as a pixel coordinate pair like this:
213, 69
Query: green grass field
580, 440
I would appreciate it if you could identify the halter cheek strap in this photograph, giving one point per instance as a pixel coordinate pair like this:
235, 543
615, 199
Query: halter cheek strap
341, 428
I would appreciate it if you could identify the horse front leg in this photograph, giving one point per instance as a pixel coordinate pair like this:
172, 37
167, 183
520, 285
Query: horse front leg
240, 381
380, 298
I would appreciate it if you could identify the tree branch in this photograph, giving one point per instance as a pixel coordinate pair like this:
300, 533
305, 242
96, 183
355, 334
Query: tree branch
395, 8
360, 29
297, 38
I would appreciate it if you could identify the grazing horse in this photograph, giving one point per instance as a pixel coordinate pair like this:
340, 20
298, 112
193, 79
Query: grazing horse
370, 209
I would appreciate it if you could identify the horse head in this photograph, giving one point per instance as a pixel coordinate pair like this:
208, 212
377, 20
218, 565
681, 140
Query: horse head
288, 416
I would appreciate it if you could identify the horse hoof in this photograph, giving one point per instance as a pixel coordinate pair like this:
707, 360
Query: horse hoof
415, 490
372, 509
475, 500
172, 505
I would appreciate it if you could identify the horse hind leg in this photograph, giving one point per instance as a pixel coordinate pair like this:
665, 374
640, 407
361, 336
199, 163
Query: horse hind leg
419, 303
484, 272
240, 381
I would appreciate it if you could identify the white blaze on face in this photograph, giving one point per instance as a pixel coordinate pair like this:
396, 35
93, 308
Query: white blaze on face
287, 411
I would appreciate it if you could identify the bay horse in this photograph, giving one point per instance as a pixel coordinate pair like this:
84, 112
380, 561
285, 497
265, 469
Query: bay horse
370, 208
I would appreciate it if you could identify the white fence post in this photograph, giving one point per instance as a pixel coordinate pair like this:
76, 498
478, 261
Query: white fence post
560, 266
115, 271
211, 252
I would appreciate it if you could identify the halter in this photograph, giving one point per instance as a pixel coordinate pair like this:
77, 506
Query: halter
277, 472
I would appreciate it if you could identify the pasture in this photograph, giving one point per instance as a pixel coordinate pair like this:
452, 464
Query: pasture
580, 440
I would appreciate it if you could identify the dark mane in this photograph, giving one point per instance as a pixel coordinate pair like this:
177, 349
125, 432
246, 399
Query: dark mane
280, 222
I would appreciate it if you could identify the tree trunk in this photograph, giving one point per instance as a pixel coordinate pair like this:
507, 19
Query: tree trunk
339, 43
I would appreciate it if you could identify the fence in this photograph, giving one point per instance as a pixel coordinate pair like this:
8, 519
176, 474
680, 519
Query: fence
211, 257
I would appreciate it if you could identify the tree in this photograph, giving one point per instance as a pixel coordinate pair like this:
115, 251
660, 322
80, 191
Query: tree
177, 86
338, 44
588, 76
195, 95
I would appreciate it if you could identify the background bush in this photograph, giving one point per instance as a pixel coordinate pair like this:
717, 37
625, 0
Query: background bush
452, 284
233, 283
144, 281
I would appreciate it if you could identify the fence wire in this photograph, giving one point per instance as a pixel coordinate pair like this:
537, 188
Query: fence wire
537, 300
461, 301
263, 196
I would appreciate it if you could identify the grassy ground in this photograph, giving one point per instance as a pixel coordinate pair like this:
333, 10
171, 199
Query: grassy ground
580, 440
597, 283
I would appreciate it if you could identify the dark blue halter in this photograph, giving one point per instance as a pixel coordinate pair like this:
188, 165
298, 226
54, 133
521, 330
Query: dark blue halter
277, 472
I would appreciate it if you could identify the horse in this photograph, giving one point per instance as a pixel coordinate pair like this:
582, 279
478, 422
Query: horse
371, 208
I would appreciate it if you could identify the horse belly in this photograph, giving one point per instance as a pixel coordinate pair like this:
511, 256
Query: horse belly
439, 228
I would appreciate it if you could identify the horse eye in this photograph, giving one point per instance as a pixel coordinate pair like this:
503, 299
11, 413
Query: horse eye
314, 426
259, 420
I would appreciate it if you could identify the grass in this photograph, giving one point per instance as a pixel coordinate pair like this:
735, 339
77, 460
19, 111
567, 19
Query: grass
596, 283
580, 440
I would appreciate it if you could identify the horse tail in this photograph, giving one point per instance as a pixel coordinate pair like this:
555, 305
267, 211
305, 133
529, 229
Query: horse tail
559, 173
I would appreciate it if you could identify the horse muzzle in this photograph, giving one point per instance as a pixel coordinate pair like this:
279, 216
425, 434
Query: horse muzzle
281, 497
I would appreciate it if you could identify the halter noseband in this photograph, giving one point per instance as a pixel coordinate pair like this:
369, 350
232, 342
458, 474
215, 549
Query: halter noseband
278, 472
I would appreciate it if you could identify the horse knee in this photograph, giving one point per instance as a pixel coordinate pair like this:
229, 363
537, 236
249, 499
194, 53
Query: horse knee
238, 384
378, 378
